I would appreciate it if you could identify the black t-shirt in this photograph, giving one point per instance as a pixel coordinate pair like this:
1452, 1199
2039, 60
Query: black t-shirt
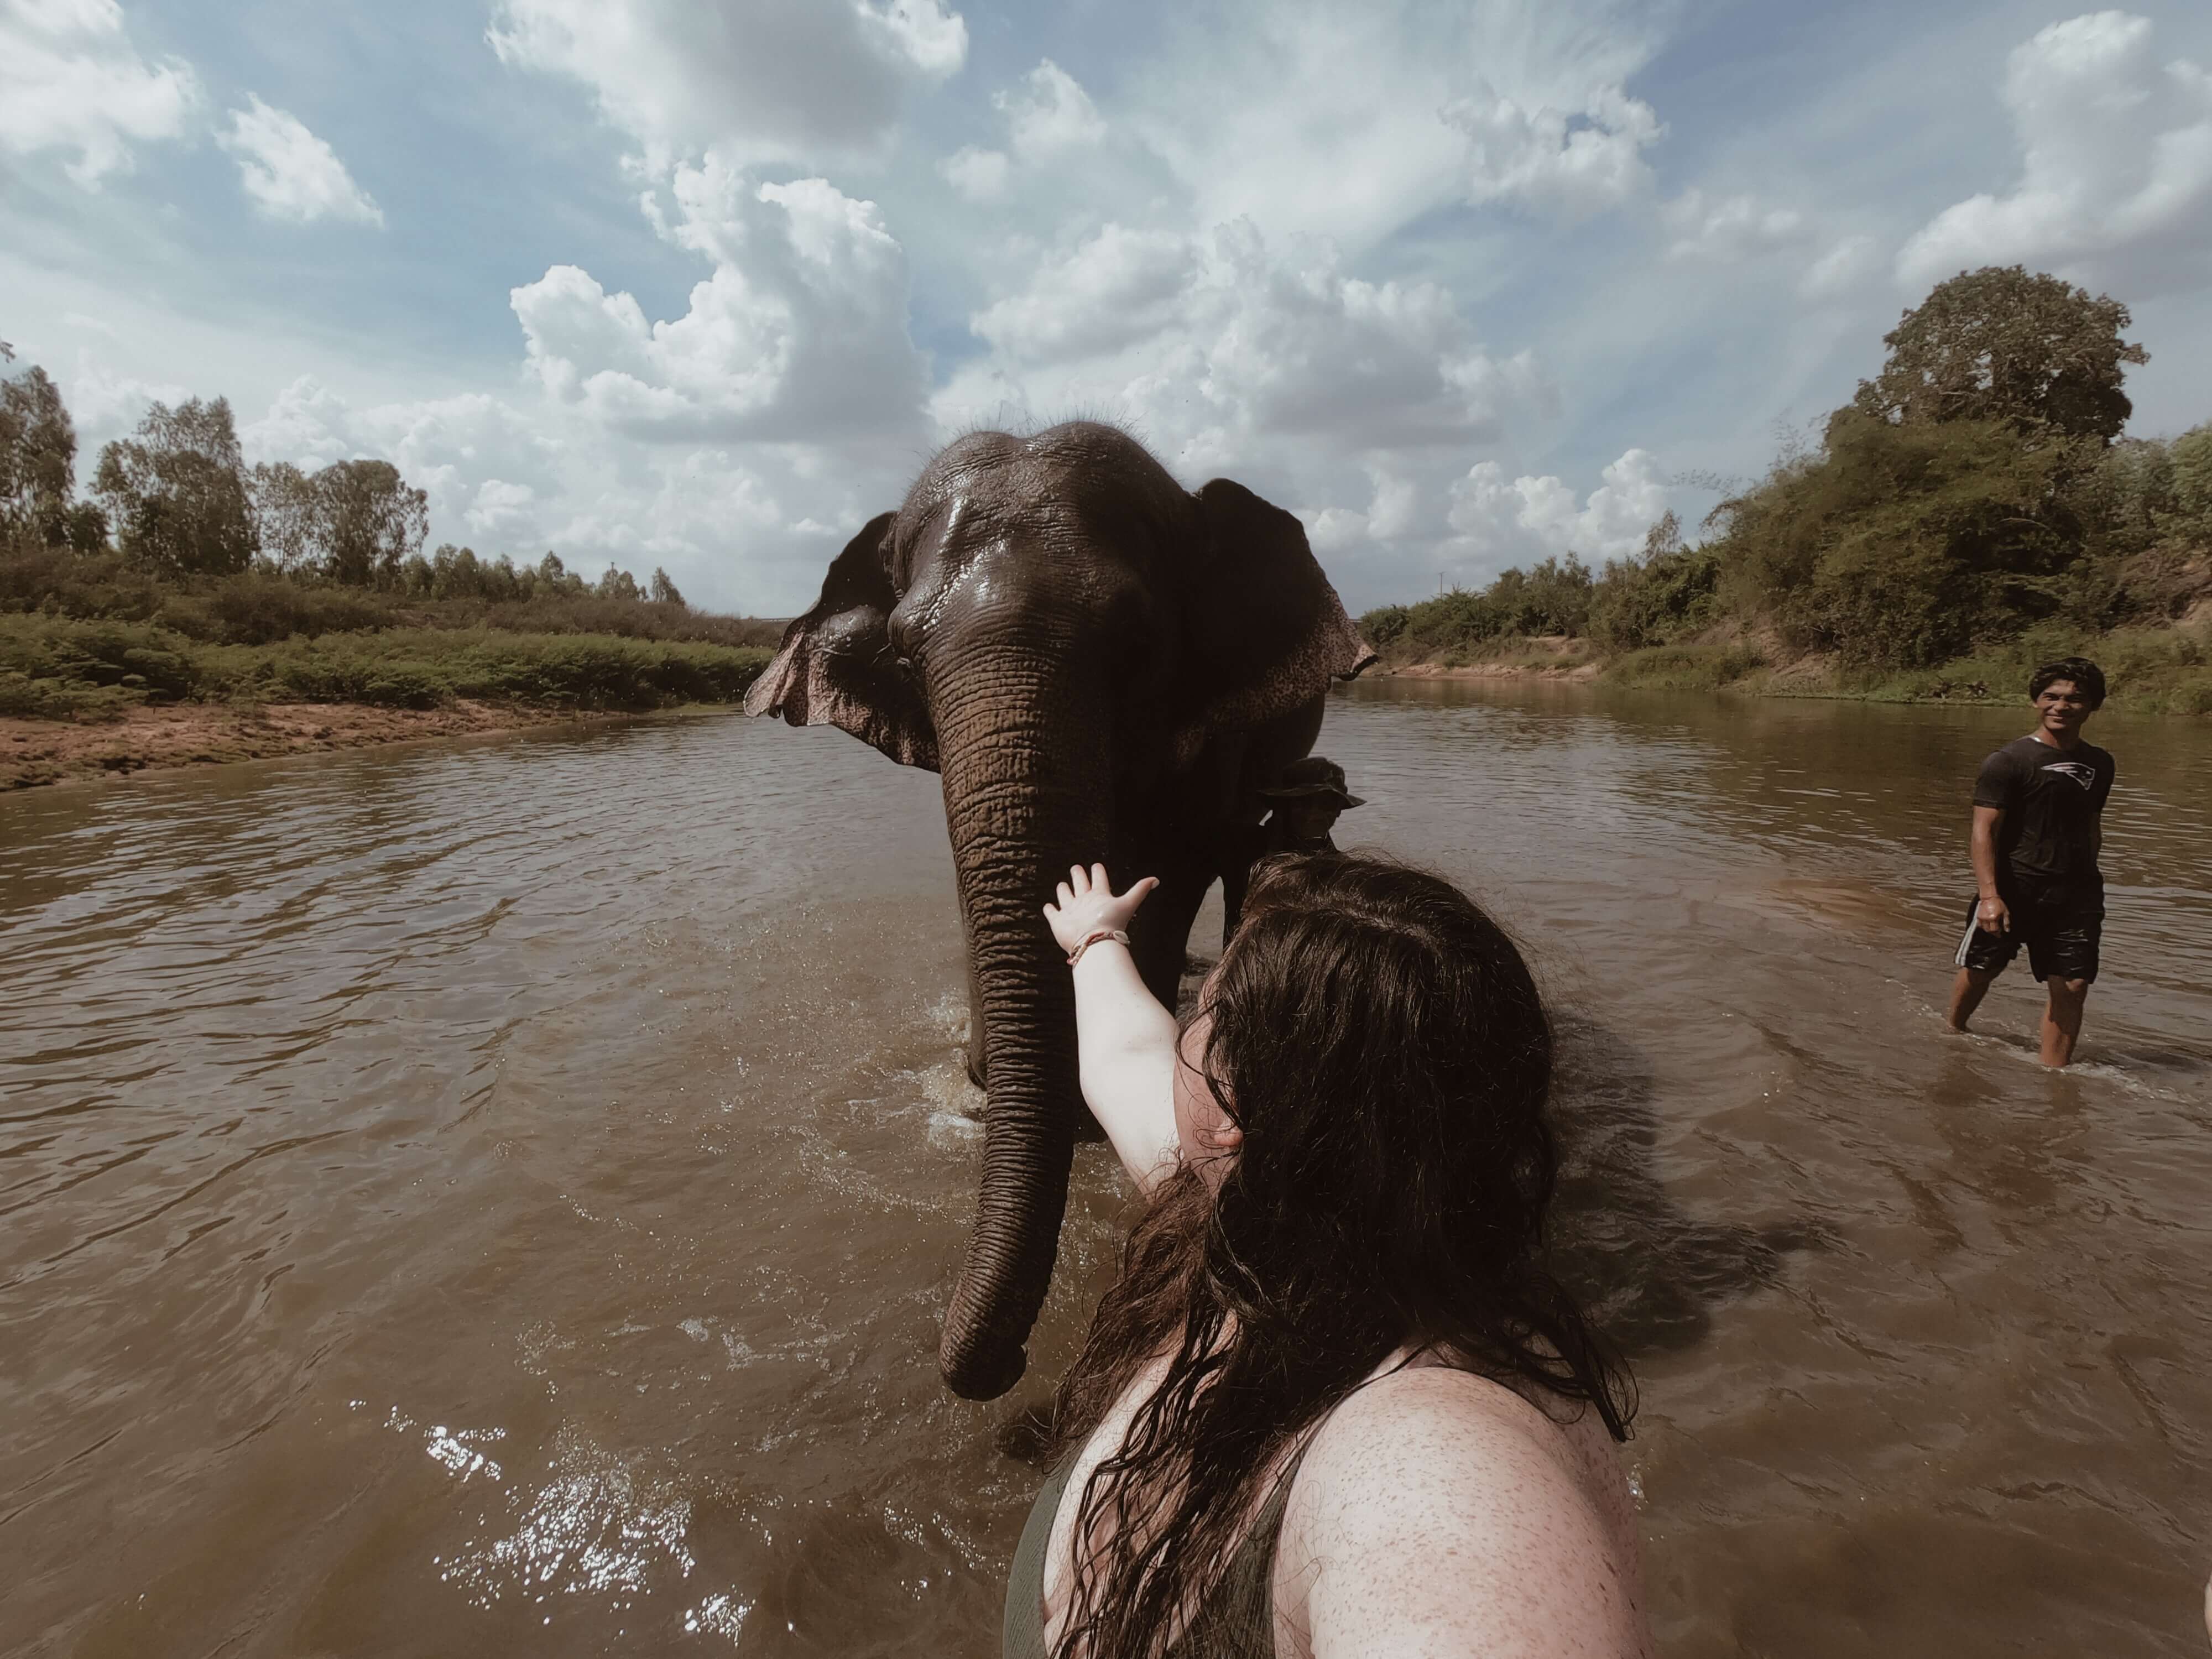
2050, 798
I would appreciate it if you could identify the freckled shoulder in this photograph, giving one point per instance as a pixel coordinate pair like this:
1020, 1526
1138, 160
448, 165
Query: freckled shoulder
1438, 1512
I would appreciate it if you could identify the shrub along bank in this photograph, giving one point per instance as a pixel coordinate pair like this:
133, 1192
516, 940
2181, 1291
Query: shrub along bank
61, 668
2149, 670
1972, 511
191, 578
89, 635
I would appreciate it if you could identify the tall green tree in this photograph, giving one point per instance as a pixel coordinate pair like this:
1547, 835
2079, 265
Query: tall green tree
287, 517
664, 591
1903, 543
177, 491
2006, 344
357, 523
554, 579
38, 458
372, 522
1663, 595
2191, 455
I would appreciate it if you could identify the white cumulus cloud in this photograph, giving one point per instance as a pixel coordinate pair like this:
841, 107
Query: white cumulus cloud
1839, 267
71, 80
1049, 113
1219, 346
2116, 178
522, 477
978, 174
288, 172
1353, 402
792, 80
1394, 511
105, 403
800, 333
1508, 521
1350, 122
1729, 229
1570, 161
1119, 286
933, 39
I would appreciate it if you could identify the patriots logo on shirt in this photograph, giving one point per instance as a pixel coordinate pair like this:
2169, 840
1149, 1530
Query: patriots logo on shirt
2084, 776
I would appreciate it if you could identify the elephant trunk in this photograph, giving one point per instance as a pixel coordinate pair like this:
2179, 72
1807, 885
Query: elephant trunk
1023, 750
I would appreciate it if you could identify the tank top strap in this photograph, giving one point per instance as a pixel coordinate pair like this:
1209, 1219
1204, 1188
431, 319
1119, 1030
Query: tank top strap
1022, 1635
1237, 1620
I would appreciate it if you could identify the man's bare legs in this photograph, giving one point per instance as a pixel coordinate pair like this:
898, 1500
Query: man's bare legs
2061, 1015
1967, 994
2062, 1018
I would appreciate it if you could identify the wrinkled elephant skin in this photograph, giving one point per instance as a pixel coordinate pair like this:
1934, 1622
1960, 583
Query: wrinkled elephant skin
1100, 664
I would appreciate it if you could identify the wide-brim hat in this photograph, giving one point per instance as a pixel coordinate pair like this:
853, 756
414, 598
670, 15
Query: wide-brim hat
1314, 775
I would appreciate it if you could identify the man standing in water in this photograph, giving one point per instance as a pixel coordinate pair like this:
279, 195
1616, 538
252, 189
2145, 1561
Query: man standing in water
1306, 801
2037, 832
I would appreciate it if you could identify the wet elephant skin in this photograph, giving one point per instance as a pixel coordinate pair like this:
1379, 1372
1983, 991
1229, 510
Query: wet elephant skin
1100, 664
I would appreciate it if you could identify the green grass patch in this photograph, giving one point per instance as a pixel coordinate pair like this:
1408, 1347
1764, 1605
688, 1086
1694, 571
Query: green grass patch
55, 667
258, 607
1685, 668
1517, 651
2148, 671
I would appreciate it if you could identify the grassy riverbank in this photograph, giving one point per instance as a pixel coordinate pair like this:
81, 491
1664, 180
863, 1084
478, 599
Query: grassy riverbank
61, 668
105, 670
2152, 671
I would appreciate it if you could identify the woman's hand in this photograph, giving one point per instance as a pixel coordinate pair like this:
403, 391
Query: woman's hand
1086, 903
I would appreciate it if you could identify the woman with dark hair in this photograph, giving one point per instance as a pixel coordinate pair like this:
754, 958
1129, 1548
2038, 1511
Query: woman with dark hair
1334, 1404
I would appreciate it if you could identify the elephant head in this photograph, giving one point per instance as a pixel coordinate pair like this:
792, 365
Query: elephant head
1061, 631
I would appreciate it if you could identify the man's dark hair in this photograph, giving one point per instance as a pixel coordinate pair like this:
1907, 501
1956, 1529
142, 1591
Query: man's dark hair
2088, 679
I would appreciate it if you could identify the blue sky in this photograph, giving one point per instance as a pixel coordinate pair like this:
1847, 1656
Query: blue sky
700, 282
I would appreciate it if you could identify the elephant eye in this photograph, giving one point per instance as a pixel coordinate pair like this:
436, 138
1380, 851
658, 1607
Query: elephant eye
906, 667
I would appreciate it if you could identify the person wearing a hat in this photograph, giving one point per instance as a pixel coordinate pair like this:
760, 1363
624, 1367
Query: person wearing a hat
1306, 801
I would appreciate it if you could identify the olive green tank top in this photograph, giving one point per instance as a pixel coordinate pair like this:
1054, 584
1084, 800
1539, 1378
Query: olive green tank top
1236, 1621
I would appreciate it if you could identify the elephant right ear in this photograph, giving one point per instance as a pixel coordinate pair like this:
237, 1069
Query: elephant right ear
1265, 632
836, 666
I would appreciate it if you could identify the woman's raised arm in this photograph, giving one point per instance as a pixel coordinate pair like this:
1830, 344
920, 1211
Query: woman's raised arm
1125, 1041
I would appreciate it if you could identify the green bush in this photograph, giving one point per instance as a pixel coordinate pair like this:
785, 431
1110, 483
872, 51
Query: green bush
49, 699
1384, 627
421, 667
643, 619
146, 662
1656, 600
1685, 668
1898, 546
33, 577
259, 607
59, 665
2147, 670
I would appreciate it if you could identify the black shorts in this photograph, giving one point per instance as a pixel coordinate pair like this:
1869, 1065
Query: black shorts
2059, 922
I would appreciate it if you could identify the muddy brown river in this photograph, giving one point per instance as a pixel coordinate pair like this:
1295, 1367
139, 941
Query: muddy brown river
496, 1198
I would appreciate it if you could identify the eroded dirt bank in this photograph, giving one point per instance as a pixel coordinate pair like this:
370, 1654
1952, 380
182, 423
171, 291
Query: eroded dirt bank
33, 751
1579, 672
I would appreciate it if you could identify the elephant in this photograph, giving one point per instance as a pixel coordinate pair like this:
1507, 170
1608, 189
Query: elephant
1102, 666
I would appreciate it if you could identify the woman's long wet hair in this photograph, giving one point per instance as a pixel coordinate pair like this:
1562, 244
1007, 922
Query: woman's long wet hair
1381, 1043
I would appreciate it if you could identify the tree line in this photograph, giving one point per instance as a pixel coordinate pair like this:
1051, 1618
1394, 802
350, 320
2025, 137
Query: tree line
1978, 487
177, 499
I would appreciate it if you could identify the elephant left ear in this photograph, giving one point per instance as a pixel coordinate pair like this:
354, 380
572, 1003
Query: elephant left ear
836, 666
1264, 632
